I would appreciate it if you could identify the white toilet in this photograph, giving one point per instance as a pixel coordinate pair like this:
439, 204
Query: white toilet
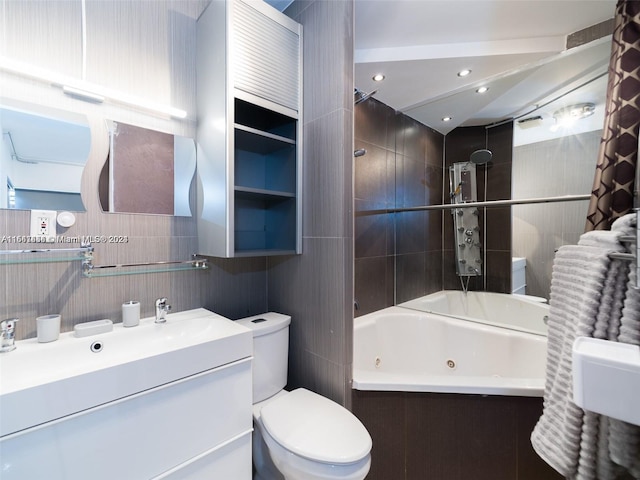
298, 435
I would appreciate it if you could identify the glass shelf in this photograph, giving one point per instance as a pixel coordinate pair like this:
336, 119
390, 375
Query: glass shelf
45, 255
90, 271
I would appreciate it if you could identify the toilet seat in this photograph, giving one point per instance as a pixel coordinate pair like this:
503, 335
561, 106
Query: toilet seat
315, 428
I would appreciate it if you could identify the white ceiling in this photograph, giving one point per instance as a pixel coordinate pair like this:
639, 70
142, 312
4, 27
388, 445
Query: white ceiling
514, 47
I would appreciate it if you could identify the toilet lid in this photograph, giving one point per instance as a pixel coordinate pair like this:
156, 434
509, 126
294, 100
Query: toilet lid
316, 428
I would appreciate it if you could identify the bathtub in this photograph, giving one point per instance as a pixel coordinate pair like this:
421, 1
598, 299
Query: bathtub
518, 312
399, 349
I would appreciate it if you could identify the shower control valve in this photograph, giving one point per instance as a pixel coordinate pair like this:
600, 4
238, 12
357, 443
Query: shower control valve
469, 233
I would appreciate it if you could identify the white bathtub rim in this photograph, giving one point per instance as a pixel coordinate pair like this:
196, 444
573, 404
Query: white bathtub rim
416, 305
364, 380
480, 322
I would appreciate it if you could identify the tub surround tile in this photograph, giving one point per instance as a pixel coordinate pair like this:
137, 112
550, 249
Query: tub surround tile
425, 436
500, 141
374, 233
411, 232
498, 274
462, 142
374, 282
383, 414
414, 178
411, 184
376, 177
410, 276
498, 227
411, 138
530, 466
497, 181
375, 124
459, 436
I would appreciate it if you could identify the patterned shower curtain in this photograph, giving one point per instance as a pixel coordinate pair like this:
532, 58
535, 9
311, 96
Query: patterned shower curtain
613, 185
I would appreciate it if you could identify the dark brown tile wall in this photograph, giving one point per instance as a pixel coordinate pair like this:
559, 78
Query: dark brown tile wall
425, 436
400, 256
397, 255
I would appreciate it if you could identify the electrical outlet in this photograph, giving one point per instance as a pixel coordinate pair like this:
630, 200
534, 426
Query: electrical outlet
43, 225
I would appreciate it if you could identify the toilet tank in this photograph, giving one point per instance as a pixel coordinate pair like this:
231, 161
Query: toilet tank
270, 353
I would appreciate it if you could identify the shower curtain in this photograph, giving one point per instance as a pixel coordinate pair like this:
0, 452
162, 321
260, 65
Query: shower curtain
612, 192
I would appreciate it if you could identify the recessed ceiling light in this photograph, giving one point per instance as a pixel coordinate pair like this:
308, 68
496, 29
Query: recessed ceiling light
378, 77
446, 119
464, 73
482, 89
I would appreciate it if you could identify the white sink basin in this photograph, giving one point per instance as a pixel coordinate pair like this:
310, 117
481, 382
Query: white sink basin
606, 378
40, 382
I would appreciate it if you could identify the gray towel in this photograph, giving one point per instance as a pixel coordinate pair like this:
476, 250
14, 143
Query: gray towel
587, 296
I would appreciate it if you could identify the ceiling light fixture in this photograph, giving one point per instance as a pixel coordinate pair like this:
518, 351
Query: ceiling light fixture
378, 77
447, 119
566, 117
464, 73
482, 89
86, 91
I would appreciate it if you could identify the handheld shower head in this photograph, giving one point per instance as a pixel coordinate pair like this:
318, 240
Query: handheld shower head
481, 157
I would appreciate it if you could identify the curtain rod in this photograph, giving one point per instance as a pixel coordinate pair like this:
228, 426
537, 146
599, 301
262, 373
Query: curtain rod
490, 203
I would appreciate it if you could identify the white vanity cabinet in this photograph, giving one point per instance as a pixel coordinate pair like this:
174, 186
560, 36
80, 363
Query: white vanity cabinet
249, 95
158, 401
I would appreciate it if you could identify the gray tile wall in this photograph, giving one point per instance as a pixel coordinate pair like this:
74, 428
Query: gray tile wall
555, 167
316, 288
233, 288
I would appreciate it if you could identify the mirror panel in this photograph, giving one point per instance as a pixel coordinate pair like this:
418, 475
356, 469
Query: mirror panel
147, 171
556, 160
42, 157
411, 253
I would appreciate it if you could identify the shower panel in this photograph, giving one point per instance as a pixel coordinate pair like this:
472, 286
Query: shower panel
462, 183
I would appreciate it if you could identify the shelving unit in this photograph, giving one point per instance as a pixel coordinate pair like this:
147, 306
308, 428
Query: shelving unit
249, 171
265, 181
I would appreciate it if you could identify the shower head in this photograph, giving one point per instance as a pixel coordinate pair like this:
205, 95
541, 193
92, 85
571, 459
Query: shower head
481, 157
361, 96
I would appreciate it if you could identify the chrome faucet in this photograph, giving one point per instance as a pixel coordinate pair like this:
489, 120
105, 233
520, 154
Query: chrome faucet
7, 328
162, 309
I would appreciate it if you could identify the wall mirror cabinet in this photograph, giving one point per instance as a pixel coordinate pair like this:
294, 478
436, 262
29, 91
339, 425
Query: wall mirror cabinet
147, 171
